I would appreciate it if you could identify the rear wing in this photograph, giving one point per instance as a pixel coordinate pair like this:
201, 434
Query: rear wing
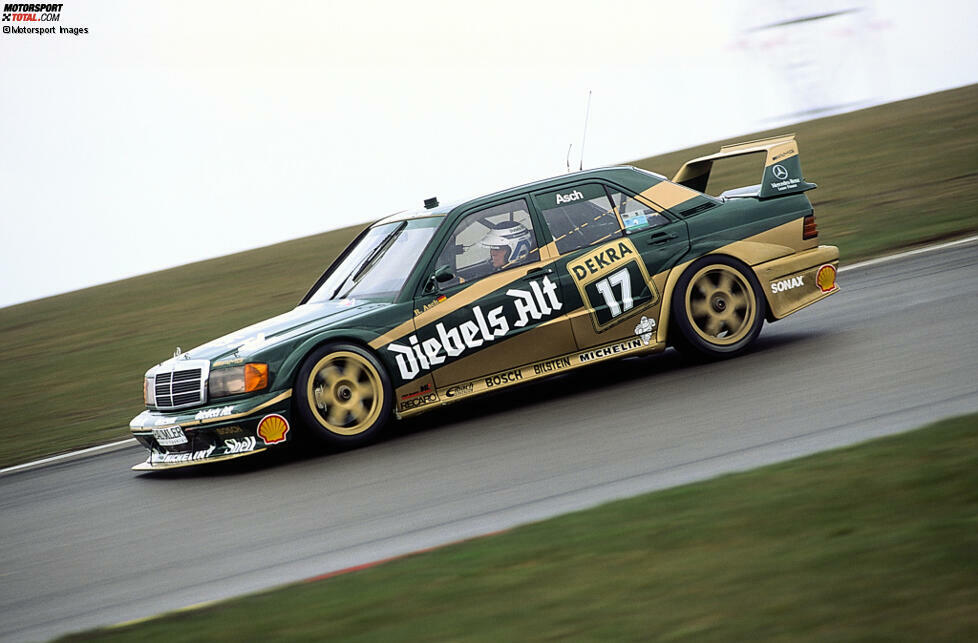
782, 167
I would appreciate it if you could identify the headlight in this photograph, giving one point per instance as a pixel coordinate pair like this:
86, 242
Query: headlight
149, 391
237, 379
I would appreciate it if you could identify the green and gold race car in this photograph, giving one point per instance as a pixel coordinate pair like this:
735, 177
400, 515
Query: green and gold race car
429, 307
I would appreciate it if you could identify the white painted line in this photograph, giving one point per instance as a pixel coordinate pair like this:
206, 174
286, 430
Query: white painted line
908, 253
112, 446
132, 441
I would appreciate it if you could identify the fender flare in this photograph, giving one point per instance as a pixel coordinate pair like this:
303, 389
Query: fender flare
298, 355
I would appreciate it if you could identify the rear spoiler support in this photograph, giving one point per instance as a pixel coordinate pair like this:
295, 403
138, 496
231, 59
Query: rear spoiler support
782, 166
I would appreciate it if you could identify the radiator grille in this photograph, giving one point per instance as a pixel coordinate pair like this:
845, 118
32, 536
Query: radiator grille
180, 387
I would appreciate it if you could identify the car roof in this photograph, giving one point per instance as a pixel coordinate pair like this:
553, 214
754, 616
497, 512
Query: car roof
620, 172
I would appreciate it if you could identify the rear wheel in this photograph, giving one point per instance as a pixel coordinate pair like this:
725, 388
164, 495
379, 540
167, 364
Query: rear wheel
718, 308
343, 395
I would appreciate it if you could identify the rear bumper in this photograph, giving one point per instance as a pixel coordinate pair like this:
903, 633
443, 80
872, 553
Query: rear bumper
800, 280
212, 433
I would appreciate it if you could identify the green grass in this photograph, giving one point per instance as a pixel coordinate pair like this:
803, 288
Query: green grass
876, 541
893, 176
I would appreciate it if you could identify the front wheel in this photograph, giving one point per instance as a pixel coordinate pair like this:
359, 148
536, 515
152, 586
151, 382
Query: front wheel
343, 395
717, 307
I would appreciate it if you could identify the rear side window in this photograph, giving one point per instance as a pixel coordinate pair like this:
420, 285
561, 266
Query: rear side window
635, 214
578, 216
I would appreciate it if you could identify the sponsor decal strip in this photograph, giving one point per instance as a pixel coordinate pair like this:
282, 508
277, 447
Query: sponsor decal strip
153, 466
232, 448
537, 370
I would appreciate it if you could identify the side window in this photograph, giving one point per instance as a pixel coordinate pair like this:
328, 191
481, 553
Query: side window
488, 241
634, 214
579, 216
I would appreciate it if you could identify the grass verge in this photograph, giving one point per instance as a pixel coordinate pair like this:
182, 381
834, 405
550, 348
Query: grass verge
890, 177
875, 541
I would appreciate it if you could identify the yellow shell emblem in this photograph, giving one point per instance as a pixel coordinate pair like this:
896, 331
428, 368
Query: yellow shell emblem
826, 278
273, 428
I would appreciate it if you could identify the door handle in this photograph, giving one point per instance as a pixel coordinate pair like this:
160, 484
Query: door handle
662, 237
539, 271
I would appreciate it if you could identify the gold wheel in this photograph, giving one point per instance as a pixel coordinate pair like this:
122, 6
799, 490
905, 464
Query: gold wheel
345, 393
720, 305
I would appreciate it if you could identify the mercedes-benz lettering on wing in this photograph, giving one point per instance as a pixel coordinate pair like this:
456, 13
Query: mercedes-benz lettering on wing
444, 303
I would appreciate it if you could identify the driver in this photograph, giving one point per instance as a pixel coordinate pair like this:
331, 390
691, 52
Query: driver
508, 242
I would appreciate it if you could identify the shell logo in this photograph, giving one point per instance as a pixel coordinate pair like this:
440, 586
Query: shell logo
826, 278
273, 428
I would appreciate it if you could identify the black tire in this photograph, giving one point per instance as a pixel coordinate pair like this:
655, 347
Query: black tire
343, 396
718, 308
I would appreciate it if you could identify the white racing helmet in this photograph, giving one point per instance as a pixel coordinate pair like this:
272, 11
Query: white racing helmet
510, 235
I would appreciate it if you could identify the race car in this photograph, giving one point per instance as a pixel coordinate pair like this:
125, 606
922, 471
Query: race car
440, 304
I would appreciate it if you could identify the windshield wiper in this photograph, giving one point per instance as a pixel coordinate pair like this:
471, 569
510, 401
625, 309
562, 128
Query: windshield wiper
370, 260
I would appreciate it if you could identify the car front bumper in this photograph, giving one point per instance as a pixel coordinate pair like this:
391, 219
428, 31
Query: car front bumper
214, 432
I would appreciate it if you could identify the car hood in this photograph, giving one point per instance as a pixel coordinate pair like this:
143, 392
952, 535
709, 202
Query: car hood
297, 321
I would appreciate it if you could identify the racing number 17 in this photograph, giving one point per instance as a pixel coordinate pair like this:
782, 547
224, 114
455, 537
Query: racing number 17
622, 280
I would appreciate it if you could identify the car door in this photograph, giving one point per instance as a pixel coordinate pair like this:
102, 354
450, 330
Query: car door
483, 319
615, 251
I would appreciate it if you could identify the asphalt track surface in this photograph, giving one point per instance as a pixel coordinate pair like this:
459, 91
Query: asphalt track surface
90, 543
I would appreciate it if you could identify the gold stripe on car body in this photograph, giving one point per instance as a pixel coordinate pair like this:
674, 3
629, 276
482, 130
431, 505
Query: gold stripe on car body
781, 241
550, 250
668, 195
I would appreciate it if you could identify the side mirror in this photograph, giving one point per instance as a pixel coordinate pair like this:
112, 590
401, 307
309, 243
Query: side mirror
443, 274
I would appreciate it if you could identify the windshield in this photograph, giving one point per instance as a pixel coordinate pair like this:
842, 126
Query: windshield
378, 265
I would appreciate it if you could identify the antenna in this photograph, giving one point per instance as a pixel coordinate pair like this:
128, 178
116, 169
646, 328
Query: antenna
568, 157
587, 113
